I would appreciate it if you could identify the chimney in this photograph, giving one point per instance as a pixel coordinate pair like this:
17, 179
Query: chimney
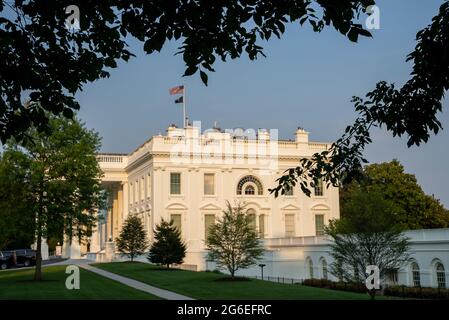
302, 135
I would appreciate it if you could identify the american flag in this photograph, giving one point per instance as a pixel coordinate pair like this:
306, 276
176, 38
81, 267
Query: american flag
176, 90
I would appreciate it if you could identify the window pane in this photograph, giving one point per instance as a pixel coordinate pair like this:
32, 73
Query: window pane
319, 188
209, 221
319, 224
289, 192
252, 219
261, 226
416, 276
209, 183
311, 269
289, 225
249, 190
441, 276
324, 263
176, 218
175, 183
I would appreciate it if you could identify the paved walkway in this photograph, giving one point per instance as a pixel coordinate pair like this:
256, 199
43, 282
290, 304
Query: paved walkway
164, 294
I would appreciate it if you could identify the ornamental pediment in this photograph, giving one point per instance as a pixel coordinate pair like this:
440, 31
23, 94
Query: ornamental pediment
210, 206
176, 206
290, 207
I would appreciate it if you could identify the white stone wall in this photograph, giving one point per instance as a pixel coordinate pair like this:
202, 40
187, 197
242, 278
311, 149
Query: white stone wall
426, 248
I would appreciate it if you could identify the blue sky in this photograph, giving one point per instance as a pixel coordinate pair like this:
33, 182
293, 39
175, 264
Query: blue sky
307, 80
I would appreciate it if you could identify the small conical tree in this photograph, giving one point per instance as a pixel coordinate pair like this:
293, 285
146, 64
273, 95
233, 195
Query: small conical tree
168, 247
132, 240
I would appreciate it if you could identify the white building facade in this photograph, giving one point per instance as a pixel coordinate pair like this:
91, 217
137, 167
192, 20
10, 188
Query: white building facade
188, 175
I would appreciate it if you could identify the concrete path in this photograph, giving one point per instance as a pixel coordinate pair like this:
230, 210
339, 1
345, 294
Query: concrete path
164, 294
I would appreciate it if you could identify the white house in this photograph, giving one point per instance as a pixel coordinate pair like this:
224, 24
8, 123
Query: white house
188, 175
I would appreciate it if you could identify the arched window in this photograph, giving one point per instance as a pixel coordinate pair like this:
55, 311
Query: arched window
249, 190
441, 276
324, 268
252, 218
310, 267
252, 181
416, 275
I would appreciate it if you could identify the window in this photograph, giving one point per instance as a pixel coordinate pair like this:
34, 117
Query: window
392, 276
289, 192
175, 183
324, 268
209, 184
252, 218
261, 226
249, 190
416, 276
209, 221
319, 225
319, 188
176, 218
256, 184
310, 265
441, 276
289, 225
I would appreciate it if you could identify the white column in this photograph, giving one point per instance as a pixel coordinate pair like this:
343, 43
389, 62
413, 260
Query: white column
44, 249
75, 249
110, 251
66, 247
125, 200
95, 240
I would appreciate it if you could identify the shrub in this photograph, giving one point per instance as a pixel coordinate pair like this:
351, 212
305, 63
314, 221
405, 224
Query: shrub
417, 292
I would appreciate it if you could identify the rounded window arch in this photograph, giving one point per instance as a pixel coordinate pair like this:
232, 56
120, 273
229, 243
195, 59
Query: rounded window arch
440, 275
309, 266
250, 185
324, 271
416, 274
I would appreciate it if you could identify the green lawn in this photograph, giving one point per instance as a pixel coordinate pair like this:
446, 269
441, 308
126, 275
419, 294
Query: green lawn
201, 285
18, 284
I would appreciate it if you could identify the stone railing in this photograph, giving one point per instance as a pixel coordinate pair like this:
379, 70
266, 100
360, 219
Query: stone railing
112, 160
295, 241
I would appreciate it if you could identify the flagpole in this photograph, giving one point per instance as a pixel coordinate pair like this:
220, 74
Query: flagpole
184, 106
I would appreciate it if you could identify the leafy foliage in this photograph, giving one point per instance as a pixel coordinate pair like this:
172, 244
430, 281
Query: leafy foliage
366, 235
17, 219
61, 180
232, 242
132, 240
412, 208
411, 110
168, 247
41, 59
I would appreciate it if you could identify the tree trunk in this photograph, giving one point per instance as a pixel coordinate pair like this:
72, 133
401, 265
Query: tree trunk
168, 266
38, 269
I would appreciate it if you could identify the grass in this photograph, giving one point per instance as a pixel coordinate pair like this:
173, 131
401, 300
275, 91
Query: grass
18, 284
202, 285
